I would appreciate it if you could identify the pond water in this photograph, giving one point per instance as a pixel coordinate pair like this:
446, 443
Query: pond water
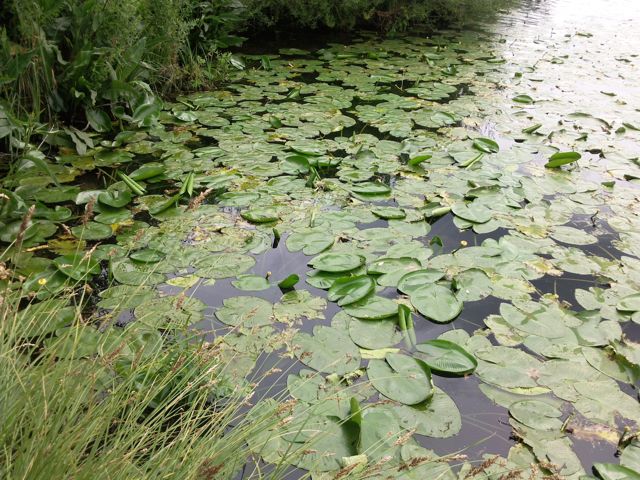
461, 212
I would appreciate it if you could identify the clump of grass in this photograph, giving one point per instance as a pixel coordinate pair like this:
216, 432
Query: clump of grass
120, 413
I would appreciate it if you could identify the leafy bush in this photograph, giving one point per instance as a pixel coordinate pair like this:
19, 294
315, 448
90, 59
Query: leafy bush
387, 15
93, 61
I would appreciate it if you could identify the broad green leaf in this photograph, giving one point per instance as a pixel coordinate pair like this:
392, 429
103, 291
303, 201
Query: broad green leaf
337, 262
348, 290
401, 378
562, 158
328, 350
486, 145
436, 302
444, 356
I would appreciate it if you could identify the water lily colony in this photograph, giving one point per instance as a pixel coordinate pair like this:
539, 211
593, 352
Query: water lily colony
393, 227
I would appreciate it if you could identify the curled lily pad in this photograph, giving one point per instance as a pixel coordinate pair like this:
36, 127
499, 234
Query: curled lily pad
630, 303
261, 215
145, 172
446, 357
347, 290
328, 350
486, 145
401, 378
289, 282
436, 302
562, 158
115, 198
611, 471
337, 262
523, 99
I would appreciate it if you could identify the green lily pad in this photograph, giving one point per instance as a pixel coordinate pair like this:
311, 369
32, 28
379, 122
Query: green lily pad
328, 350
253, 283
372, 308
389, 213
611, 471
562, 158
401, 378
115, 198
414, 280
147, 255
310, 241
92, 231
223, 265
337, 262
348, 290
261, 215
245, 312
438, 417
536, 414
77, 266
436, 302
446, 357
630, 303
374, 334
486, 145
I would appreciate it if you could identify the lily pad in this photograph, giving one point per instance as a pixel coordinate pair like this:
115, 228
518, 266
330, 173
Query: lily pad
436, 302
246, 312
328, 350
337, 262
446, 357
401, 378
348, 290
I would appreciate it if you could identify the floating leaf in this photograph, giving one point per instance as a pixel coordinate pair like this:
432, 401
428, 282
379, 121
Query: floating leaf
436, 302
253, 283
523, 99
562, 158
328, 350
289, 282
486, 145
611, 471
337, 262
245, 312
147, 255
261, 215
446, 357
414, 280
77, 266
401, 378
347, 290
372, 308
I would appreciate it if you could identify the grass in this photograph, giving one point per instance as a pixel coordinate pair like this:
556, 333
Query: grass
120, 413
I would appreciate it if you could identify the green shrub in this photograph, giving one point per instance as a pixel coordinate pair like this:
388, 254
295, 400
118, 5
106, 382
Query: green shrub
387, 15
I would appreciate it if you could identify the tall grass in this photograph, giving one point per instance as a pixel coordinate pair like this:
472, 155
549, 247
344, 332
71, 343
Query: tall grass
113, 409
